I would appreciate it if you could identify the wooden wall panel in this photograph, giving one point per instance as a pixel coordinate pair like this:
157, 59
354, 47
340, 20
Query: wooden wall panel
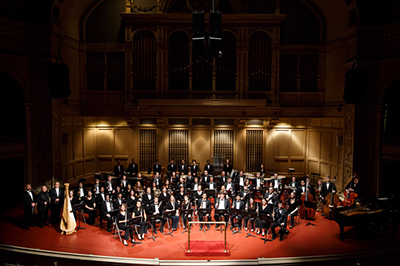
201, 146
78, 169
70, 171
121, 142
325, 169
88, 142
105, 164
70, 148
78, 147
105, 142
334, 149
89, 166
281, 143
313, 166
298, 143
326, 148
314, 144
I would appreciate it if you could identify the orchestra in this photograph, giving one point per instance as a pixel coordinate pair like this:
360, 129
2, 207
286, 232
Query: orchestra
131, 194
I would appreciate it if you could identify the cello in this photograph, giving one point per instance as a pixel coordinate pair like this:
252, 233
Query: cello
306, 213
332, 201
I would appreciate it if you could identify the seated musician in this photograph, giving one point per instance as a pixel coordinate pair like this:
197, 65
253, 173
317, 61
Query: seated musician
280, 218
265, 209
174, 178
148, 197
271, 196
138, 189
131, 199
164, 196
241, 179
250, 207
205, 178
106, 209
237, 204
90, 208
109, 185
230, 187
204, 203
119, 201
157, 179
100, 197
181, 183
189, 180
276, 183
128, 191
293, 208
293, 183
212, 184
172, 204
123, 183
245, 193
194, 168
139, 211
97, 186
117, 191
157, 208
258, 181
73, 199
249, 186
199, 193
353, 185
222, 203
186, 205
80, 192
122, 219
196, 183
180, 196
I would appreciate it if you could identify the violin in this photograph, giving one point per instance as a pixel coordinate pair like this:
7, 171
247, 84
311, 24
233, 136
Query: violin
306, 213
332, 201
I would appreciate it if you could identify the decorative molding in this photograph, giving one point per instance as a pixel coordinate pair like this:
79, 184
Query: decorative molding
348, 144
131, 122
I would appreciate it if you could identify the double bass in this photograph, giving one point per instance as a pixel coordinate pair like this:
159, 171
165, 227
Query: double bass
332, 201
350, 196
306, 213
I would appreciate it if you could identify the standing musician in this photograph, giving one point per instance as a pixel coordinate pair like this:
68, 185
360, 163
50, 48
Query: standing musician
261, 225
262, 170
57, 201
209, 167
186, 205
227, 168
172, 204
280, 218
122, 219
223, 177
156, 167
28, 198
302, 189
119, 169
204, 203
353, 185
90, 208
106, 209
133, 168
73, 199
109, 185
237, 204
172, 167
139, 211
43, 201
157, 208
252, 208
183, 168
195, 168
327, 187
222, 203
293, 208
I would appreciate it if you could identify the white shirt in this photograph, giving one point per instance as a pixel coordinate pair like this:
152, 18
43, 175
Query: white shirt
58, 192
81, 192
211, 186
204, 204
228, 186
221, 205
241, 181
30, 194
108, 204
238, 205
156, 208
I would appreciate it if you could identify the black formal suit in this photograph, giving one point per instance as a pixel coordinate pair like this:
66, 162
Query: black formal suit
172, 168
96, 188
105, 212
205, 178
239, 205
189, 181
133, 169
152, 210
28, 198
55, 207
43, 202
258, 182
194, 169
157, 168
209, 168
226, 204
99, 198
109, 186
119, 170
325, 190
223, 179
147, 199
81, 196
157, 180
214, 185
228, 168
185, 218
195, 185
231, 188
276, 184
280, 220
240, 180
123, 184
272, 198
164, 197
118, 203
183, 168
204, 204
355, 186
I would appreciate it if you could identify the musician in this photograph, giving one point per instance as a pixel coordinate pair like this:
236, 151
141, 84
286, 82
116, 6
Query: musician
119, 201
196, 183
209, 167
174, 178
189, 180
293, 183
222, 203
249, 186
43, 201
223, 177
180, 196
122, 219
181, 183
264, 209
293, 207
100, 197
156, 167
310, 188
183, 168
127, 191
123, 183
327, 187
73, 200
258, 182
280, 218
204, 204
148, 197
117, 191
318, 189
131, 199
199, 193
80, 191
90, 208
353, 185
205, 177
157, 179
106, 209
133, 168
186, 205
227, 167
168, 185
164, 196
157, 208
302, 189
119, 169
237, 204
173, 205
96, 186
230, 187
271, 196
172, 167
262, 170
57, 201
212, 184
276, 183
245, 193
252, 208
195, 168
109, 185
138, 189
139, 211
28, 198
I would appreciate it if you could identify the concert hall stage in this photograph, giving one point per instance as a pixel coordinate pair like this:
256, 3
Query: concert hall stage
94, 245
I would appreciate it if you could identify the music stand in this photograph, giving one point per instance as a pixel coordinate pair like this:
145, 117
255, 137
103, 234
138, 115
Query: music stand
204, 212
310, 205
235, 212
79, 208
133, 221
183, 213
269, 221
152, 218
167, 215
250, 215
221, 212
211, 193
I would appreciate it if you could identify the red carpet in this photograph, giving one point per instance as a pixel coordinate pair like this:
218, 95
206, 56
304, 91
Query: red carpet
207, 248
322, 239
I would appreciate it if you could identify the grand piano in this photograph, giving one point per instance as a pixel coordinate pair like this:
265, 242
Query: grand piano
376, 213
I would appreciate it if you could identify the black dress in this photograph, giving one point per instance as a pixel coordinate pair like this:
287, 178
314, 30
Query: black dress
121, 225
291, 207
89, 203
251, 209
267, 210
143, 225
